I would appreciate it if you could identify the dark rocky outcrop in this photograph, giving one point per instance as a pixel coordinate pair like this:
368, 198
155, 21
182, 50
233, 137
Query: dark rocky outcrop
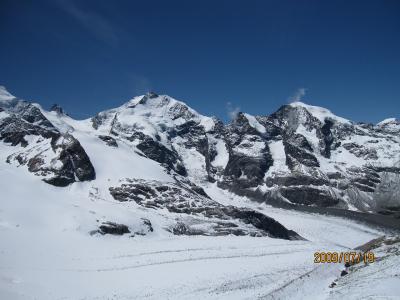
253, 168
69, 160
327, 138
148, 224
75, 162
110, 141
58, 109
361, 151
298, 151
180, 198
113, 228
158, 152
13, 130
306, 195
261, 221
242, 169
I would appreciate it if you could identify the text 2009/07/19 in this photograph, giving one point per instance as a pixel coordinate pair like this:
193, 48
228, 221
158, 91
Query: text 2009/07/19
344, 257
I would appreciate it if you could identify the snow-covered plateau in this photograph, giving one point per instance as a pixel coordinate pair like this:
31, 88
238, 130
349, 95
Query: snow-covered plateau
152, 200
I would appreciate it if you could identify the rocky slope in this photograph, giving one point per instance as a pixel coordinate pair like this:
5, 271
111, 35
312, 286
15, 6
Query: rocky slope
58, 158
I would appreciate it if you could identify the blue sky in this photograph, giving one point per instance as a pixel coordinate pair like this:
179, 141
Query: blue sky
217, 56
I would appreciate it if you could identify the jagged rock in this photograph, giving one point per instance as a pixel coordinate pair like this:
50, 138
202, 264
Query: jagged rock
68, 160
110, 141
361, 151
297, 151
75, 162
327, 138
147, 223
254, 168
158, 152
97, 120
261, 221
249, 156
113, 228
306, 195
13, 129
33, 115
181, 229
57, 108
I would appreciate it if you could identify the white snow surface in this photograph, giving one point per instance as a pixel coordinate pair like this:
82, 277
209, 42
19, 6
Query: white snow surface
279, 157
254, 123
222, 157
320, 113
386, 121
48, 253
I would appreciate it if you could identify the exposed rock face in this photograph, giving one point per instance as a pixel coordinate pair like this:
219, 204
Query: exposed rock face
147, 223
58, 158
361, 151
113, 228
57, 108
14, 129
143, 228
158, 152
110, 141
298, 152
309, 196
322, 160
249, 156
75, 162
61, 161
327, 139
204, 216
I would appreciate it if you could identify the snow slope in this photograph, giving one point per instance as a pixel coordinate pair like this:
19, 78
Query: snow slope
48, 253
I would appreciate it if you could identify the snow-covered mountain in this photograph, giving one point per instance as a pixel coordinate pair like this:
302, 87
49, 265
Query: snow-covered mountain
141, 152
300, 154
155, 170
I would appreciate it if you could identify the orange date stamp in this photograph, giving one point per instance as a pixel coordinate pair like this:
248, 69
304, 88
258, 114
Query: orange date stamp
344, 257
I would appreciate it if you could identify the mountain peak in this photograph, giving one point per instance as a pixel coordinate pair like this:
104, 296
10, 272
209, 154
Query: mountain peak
320, 113
388, 121
57, 108
151, 94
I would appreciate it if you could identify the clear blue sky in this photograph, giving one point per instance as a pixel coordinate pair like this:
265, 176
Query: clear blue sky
92, 55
